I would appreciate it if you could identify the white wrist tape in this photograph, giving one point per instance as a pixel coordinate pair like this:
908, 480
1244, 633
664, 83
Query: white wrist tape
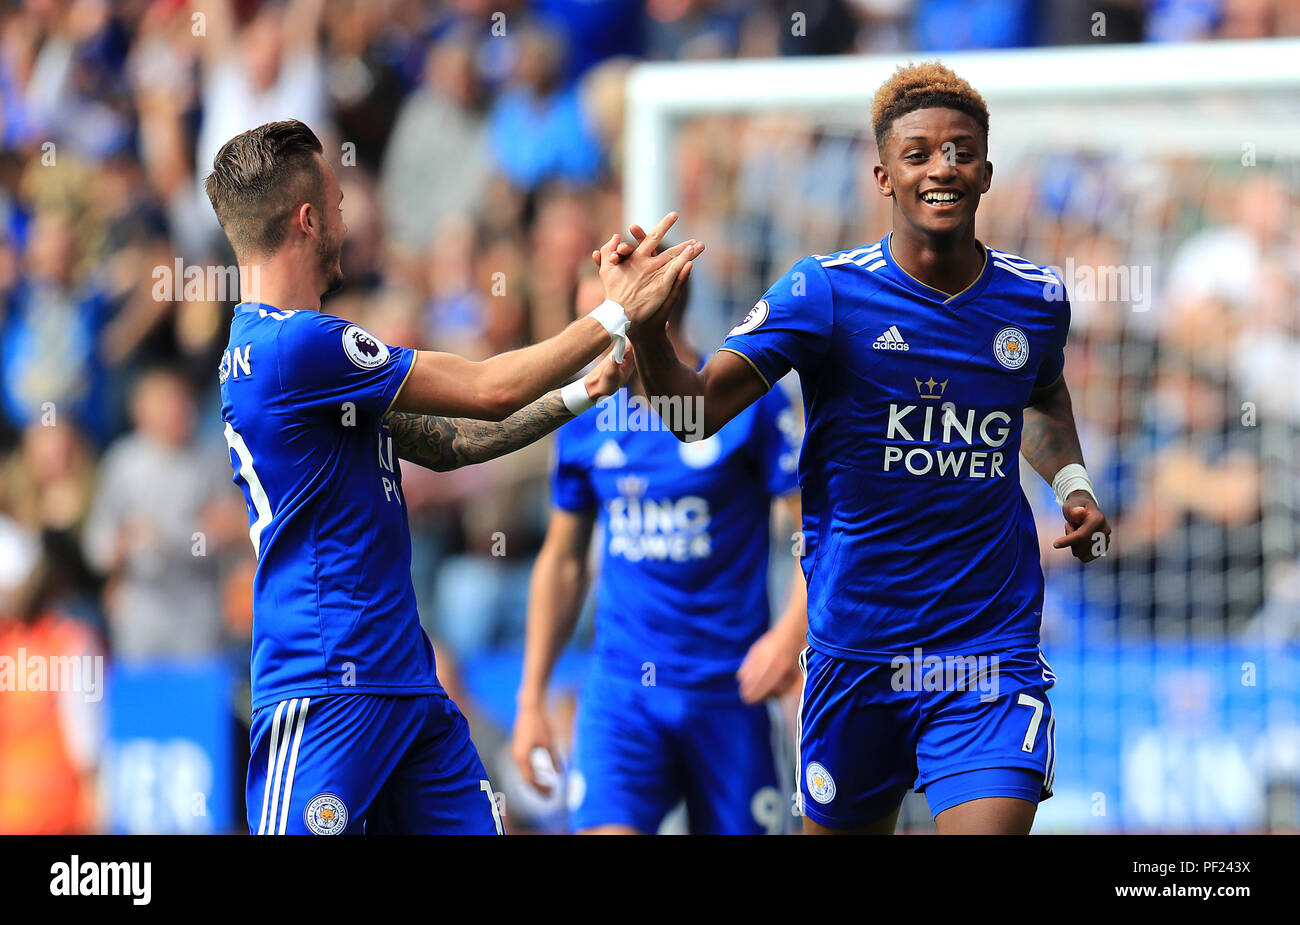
575, 397
1072, 478
613, 319
611, 316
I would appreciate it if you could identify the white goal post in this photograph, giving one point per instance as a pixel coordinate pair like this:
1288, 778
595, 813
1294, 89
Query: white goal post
1151, 80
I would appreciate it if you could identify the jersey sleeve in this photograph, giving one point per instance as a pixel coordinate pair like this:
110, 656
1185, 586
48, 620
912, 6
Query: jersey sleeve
780, 435
790, 327
570, 485
326, 361
1054, 362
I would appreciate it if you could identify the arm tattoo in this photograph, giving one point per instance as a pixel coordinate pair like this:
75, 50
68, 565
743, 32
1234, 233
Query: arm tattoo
449, 443
1049, 439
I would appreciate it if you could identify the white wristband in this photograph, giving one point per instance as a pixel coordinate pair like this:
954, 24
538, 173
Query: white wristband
575, 397
1070, 479
613, 319
611, 316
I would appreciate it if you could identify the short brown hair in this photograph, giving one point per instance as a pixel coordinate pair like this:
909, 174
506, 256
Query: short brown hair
925, 86
259, 179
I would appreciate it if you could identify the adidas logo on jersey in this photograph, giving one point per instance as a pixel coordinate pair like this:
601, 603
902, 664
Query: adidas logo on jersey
890, 340
609, 456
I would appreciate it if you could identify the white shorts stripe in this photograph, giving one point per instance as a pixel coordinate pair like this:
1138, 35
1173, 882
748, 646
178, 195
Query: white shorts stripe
798, 731
1048, 674
293, 763
1050, 775
279, 761
270, 763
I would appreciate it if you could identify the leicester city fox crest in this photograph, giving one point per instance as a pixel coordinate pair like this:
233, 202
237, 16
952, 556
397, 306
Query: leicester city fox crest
1011, 347
821, 786
326, 814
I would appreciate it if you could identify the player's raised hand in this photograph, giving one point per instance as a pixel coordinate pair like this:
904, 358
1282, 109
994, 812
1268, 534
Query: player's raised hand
1087, 532
533, 749
642, 280
623, 251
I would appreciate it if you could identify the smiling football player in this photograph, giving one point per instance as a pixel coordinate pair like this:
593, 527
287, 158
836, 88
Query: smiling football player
928, 362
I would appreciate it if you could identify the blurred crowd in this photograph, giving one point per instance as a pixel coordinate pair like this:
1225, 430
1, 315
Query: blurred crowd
478, 145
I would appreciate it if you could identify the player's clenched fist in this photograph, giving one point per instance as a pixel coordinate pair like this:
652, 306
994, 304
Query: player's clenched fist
1088, 533
609, 375
532, 747
638, 278
771, 666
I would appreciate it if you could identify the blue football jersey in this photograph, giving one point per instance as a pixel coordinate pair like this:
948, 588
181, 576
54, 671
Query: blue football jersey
917, 531
684, 534
303, 399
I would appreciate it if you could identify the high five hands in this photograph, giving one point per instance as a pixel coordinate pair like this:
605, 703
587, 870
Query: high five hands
644, 282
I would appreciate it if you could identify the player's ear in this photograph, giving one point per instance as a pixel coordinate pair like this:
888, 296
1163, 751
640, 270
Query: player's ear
307, 220
883, 184
988, 176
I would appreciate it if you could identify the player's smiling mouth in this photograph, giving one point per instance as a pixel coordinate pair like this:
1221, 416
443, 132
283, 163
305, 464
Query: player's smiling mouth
941, 199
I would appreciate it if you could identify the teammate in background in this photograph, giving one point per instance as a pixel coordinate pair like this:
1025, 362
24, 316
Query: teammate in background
927, 360
351, 730
673, 704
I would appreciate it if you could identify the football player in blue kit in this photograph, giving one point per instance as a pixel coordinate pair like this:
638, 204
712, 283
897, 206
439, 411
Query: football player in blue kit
675, 703
928, 361
351, 730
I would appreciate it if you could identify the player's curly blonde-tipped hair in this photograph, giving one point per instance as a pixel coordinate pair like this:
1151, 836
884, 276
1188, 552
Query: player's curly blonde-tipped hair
928, 85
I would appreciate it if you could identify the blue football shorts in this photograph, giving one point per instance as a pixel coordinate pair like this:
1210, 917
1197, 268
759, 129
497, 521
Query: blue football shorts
367, 763
956, 728
642, 750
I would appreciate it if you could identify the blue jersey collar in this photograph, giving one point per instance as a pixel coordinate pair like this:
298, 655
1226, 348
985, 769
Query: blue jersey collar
938, 295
